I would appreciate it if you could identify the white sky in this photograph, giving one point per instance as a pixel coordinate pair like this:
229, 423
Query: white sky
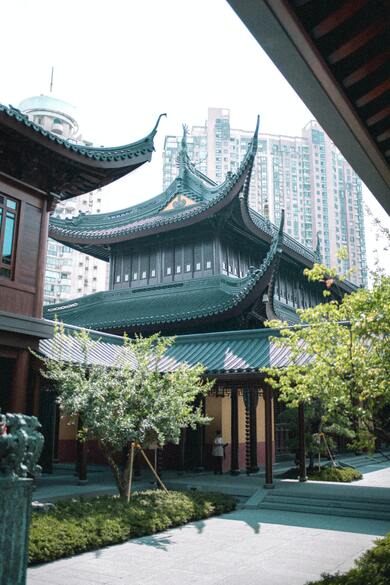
123, 62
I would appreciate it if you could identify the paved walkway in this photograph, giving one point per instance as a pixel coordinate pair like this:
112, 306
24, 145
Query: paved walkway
246, 547
243, 548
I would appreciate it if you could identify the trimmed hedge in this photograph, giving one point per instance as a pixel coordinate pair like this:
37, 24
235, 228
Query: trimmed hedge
373, 568
339, 474
79, 525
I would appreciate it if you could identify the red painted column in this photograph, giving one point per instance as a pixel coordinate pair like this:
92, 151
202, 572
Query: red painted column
269, 484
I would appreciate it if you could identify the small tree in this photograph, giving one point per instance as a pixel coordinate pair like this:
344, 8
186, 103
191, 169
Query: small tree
129, 403
347, 360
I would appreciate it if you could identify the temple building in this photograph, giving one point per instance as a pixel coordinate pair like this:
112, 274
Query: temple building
197, 262
38, 168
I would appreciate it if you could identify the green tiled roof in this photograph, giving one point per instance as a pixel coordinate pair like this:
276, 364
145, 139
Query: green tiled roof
117, 153
232, 352
181, 301
92, 231
73, 168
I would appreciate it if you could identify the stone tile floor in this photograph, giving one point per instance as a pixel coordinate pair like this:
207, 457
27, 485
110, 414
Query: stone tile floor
246, 547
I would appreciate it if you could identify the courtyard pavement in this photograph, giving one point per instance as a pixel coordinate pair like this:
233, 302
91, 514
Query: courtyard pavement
246, 547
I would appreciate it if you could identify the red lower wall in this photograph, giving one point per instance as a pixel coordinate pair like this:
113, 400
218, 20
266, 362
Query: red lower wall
67, 454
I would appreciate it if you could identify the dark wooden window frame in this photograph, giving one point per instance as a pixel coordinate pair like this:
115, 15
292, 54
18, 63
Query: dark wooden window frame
5, 210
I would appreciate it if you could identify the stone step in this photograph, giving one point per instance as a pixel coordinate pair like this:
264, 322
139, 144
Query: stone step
326, 502
331, 510
355, 500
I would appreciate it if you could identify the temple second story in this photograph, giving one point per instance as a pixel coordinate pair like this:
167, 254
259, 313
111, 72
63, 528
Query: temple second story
194, 258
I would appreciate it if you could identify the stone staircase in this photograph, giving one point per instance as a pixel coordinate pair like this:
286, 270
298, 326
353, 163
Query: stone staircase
334, 504
364, 460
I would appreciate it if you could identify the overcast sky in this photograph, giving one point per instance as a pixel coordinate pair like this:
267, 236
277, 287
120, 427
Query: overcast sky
121, 63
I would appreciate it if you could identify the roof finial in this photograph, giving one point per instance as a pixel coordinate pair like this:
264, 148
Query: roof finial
51, 79
183, 155
317, 251
153, 132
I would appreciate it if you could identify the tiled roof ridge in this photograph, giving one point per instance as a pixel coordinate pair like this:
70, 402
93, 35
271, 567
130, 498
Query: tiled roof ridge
106, 154
60, 227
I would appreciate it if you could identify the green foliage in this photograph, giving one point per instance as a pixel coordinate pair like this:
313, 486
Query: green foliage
339, 474
327, 473
78, 525
347, 360
373, 568
132, 401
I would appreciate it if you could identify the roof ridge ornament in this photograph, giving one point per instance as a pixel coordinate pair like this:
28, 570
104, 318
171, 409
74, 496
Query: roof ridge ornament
317, 251
154, 131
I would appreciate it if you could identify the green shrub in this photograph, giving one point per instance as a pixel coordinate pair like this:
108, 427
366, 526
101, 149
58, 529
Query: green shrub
78, 525
373, 568
340, 474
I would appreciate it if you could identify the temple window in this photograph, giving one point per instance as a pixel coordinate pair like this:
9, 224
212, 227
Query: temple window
118, 278
188, 267
178, 269
152, 273
126, 278
208, 264
8, 225
135, 276
197, 266
168, 270
143, 274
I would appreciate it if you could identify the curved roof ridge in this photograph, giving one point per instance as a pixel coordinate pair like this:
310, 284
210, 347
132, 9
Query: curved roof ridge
150, 216
93, 152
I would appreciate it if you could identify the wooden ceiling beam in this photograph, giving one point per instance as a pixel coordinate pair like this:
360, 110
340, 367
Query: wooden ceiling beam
366, 69
373, 94
384, 136
384, 113
337, 17
357, 42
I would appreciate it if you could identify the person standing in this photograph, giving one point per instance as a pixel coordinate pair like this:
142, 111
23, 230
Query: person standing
218, 452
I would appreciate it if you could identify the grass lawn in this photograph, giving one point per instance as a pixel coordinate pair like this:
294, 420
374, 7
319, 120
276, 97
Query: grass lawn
78, 525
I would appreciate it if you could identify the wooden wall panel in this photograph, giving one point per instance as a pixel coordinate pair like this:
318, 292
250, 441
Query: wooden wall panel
27, 253
16, 301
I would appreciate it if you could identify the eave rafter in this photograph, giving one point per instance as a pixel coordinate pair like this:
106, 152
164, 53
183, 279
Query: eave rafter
335, 54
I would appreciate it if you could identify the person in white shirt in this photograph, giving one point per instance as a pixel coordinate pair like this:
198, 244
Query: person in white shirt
218, 452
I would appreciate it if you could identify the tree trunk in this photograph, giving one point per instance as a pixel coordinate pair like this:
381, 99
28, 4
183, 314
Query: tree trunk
118, 476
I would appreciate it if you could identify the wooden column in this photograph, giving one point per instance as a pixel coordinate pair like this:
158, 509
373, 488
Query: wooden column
182, 447
18, 401
302, 443
251, 399
254, 399
234, 466
81, 463
47, 418
268, 437
200, 433
246, 397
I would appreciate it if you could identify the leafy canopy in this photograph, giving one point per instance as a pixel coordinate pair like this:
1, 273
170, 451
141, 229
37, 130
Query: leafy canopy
131, 400
340, 355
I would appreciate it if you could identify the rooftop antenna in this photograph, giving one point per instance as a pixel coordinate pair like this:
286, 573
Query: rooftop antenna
51, 79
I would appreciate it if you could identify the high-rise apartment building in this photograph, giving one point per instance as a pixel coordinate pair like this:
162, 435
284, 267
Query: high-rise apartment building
304, 175
69, 273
